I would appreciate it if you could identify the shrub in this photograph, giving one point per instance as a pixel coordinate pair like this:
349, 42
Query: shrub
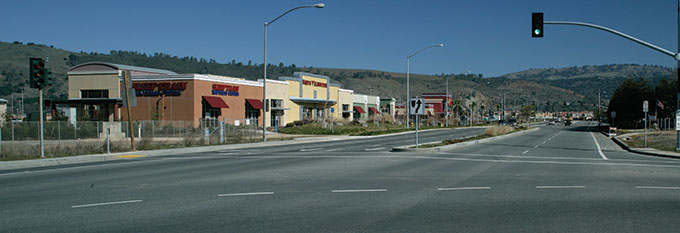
498, 130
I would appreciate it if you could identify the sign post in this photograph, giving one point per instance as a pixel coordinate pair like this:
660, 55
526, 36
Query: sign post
417, 109
645, 108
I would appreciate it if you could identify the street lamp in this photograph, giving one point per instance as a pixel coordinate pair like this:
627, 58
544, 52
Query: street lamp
408, 85
264, 66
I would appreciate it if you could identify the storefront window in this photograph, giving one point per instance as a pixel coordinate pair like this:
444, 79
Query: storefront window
94, 94
251, 113
307, 113
209, 111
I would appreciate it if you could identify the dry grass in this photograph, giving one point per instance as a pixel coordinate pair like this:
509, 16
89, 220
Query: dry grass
660, 140
498, 130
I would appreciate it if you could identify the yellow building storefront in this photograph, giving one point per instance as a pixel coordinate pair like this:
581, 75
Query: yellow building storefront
313, 97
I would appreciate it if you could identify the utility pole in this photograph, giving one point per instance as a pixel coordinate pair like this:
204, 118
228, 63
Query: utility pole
677, 69
446, 120
599, 113
126, 84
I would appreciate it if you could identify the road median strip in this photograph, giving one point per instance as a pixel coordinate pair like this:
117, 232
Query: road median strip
461, 142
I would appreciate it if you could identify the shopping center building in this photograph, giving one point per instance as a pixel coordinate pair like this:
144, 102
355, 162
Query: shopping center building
95, 94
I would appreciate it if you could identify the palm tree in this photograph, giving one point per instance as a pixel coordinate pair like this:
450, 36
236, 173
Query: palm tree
457, 107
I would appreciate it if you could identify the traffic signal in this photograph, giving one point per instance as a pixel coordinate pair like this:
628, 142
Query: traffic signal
536, 24
39, 75
36, 72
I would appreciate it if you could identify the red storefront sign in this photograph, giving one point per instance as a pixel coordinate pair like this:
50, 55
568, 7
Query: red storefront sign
314, 83
159, 88
221, 89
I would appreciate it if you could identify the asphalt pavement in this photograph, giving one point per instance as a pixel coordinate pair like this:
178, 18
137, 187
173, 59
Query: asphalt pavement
555, 179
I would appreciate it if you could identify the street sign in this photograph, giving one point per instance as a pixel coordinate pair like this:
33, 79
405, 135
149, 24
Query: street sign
417, 107
645, 106
133, 98
332, 110
613, 114
677, 120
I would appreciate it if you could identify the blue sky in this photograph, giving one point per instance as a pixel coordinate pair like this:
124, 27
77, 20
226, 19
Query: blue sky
488, 37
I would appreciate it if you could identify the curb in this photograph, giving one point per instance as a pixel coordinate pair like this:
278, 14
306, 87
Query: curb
647, 151
457, 145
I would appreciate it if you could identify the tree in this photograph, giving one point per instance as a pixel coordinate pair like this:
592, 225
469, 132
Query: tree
665, 92
527, 111
627, 102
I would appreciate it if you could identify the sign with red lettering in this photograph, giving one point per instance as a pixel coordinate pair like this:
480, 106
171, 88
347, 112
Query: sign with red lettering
159, 88
221, 89
314, 83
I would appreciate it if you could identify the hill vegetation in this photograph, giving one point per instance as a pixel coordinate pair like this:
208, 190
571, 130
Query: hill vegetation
572, 88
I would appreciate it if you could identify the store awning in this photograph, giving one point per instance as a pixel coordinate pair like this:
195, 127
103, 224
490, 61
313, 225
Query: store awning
256, 104
215, 102
359, 109
373, 110
312, 100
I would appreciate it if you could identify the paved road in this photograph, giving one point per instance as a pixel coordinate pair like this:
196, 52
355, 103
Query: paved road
551, 180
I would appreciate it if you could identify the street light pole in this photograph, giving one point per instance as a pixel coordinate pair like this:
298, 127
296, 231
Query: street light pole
446, 121
264, 67
408, 86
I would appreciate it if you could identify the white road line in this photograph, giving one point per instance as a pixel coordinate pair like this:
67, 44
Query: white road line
310, 149
106, 203
525, 152
463, 188
244, 194
599, 149
536, 146
358, 190
372, 149
656, 187
331, 150
543, 143
560, 187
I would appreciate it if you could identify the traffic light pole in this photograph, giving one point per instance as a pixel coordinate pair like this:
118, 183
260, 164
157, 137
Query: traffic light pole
42, 126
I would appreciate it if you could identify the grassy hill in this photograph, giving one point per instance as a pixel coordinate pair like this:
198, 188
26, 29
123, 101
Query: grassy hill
547, 88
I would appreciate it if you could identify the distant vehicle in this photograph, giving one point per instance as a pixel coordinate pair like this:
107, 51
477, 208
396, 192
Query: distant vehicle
512, 122
502, 122
567, 122
551, 122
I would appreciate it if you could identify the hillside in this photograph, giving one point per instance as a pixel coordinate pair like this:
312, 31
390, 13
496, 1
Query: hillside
586, 80
549, 89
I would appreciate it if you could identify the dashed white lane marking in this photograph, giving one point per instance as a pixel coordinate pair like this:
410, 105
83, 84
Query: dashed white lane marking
372, 149
358, 190
525, 152
599, 149
331, 150
463, 188
536, 146
106, 203
244, 194
560, 187
543, 142
656, 187
309, 149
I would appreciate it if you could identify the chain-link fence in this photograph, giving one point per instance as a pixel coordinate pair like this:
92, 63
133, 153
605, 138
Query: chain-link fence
64, 138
